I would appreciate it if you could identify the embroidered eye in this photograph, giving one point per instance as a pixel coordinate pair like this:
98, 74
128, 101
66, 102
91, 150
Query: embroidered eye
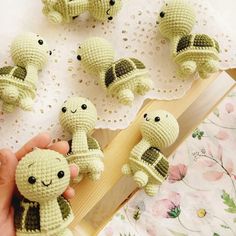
157, 119
84, 106
79, 58
162, 14
64, 109
112, 2
145, 115
32, 180
60, 174
40, 42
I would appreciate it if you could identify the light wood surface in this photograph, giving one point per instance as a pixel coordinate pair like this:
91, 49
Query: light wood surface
95, 202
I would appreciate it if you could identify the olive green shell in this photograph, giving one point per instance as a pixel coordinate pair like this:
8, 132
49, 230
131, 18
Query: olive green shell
151, 156
32, 219
122, 68
198, 41
15, 71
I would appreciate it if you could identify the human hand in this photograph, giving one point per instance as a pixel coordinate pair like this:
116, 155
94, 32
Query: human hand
8, 164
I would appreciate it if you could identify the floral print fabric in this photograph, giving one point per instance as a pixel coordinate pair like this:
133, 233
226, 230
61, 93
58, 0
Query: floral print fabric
199, 196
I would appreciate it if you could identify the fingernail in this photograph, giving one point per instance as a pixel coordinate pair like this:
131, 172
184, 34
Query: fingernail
3, 160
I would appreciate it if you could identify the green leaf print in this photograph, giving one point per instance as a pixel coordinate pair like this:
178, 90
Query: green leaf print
215, 234
229, 202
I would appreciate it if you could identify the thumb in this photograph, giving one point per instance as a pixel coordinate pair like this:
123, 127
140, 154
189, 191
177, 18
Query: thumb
8, 163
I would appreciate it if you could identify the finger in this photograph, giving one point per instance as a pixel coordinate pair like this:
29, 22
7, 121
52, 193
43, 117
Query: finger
61, 147
74, 171
8, 163
41, 141
69, 193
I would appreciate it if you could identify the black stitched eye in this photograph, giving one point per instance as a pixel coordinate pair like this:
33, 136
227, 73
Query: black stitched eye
162, 14
32, 180
60, 174
145, 115
79, 58
40, 42
112, 2
157, 119
64, 109
84, 106
110, 18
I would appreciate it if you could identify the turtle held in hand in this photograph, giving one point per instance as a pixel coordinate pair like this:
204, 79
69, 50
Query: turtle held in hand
147, 165
122, 78
18, 83
78, 116
192, 52
41, 178
64, 11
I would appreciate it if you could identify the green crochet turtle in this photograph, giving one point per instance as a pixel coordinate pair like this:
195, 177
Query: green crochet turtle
147, 165
122, 78
64, 11
192, 52
18, 83
41, 178
78, 116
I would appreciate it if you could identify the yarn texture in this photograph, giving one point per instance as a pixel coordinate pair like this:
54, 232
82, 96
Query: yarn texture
123, 78
192, 52
78, 116
41, 177
147, 165
64, 11
18, 83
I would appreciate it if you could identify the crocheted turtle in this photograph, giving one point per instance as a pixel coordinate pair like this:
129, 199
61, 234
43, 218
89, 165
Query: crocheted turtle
192, 52
147, 165
18, 83
41, 178
122, 78
78, 116
59, 11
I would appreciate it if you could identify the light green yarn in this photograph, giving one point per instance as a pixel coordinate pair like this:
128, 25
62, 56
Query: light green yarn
60, 11
192, 52
123, 78
41, 178
18, 83
147, 165
78, 116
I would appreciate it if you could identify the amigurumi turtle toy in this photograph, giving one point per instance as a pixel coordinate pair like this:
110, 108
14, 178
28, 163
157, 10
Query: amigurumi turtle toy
192, 52
147, 165
78, 116
41, 178
122, 78
18, 83
64, 11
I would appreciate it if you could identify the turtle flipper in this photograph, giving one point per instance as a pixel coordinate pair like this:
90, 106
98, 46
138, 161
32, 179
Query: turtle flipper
125, 96
95, 170
126, 170
66, 232
211, 66
151, 189
143, 86
26, 104
141, 178
187, 68
10, 93
7, 107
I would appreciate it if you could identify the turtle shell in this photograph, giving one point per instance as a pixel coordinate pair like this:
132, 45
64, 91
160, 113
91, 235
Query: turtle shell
122, 68
32, 216
153, 157
15, 71
198, 41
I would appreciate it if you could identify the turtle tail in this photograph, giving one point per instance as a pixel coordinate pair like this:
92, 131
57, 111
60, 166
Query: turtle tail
10, 94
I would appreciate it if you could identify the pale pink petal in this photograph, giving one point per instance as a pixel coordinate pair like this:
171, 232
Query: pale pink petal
209, 149
229, 166
222, 135
174, 198
229, 107
177, 172
213, 175
208, 163
162, 208
220, 152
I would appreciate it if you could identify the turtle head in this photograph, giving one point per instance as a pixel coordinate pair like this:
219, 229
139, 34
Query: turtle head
176, 19
104, 9
42, 175
30, 49
96, 55
78, 113
159, 128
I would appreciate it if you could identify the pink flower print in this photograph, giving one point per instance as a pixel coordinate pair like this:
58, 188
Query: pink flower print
229, 107
222, 135
177, 172
168, 207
